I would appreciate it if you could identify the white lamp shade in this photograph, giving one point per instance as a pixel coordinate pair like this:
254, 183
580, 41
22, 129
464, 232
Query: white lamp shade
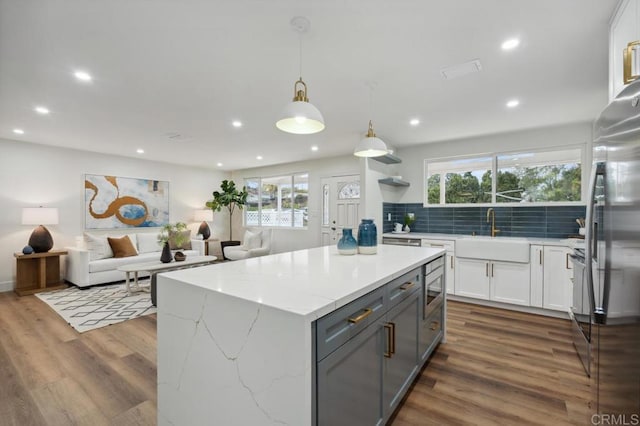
301, 118
370, 146
203, 215
39, 216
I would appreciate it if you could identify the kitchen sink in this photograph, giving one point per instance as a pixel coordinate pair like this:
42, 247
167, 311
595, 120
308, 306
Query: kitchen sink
494, 248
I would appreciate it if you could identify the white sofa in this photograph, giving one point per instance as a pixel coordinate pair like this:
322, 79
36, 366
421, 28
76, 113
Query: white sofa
84, 268
255, 243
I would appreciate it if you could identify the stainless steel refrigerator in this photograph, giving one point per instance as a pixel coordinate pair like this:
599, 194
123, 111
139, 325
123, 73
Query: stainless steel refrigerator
612, 258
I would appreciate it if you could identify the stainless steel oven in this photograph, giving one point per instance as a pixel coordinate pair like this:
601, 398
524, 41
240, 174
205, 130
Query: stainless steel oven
580, 311
433, 285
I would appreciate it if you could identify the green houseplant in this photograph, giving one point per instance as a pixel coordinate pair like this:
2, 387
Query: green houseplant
229, 197
167, 232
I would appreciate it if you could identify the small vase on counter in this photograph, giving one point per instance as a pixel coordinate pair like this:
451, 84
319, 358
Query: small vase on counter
347, 244
166, 257
367, 237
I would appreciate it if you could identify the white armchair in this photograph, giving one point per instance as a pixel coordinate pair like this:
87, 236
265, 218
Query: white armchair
254, 244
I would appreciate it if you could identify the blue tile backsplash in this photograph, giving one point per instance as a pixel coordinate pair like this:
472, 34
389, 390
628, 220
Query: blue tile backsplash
529, 221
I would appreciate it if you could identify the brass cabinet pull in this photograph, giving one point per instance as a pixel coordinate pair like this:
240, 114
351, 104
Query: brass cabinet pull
434, 325
407, 285
627, 62
451, 259
492, 269
566, 262
540, 257
393, 337
486, 269
366, 313
387, 352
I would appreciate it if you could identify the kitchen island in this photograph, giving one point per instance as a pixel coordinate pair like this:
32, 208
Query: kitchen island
237, 341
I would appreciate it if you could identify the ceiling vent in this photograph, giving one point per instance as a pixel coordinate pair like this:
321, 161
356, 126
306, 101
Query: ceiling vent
455, 71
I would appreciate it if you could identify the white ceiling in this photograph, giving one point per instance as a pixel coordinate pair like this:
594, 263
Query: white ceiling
192, 66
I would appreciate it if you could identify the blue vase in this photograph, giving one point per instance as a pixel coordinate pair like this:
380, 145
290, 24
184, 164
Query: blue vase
347, 244
367, 237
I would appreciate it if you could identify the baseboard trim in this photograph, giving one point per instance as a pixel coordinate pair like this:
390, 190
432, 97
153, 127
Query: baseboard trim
6, 286
519, 308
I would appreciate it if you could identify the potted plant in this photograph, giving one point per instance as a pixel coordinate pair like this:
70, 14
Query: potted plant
167, 232
230, 197
409, 218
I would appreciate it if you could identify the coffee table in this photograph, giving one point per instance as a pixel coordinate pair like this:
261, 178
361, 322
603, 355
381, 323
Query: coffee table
156, 266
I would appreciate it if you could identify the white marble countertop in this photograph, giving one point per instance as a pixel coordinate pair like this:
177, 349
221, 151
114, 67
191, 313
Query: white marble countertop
565, 242
311, 282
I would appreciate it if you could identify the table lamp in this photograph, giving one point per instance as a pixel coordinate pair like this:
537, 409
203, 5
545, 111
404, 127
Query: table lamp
40, 240
204, 215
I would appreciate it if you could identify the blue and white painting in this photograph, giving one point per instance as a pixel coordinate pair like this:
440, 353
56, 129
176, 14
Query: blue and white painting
116, 202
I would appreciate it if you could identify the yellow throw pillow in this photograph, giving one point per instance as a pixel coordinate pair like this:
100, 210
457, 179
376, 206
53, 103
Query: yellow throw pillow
122, 247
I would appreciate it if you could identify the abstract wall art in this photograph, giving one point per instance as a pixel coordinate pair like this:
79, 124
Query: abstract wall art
117, 202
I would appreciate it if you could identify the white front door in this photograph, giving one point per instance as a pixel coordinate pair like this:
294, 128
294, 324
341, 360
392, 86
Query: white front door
340, 207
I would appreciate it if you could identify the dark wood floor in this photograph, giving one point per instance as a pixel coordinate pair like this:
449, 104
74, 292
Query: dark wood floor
498, 368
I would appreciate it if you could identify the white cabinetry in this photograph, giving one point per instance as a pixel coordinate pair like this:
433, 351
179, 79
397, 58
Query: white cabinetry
557, 285
506, 282
625, 28
450, 274
537, 275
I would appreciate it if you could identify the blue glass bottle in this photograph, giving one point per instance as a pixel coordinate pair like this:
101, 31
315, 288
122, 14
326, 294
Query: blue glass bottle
367, 237
347, 244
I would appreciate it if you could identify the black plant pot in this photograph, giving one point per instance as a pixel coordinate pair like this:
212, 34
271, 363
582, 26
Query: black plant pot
165, 257
224, 244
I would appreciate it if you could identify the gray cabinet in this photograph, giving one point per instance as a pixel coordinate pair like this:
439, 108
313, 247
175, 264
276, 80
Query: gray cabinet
369, 351
349, 381
401, 354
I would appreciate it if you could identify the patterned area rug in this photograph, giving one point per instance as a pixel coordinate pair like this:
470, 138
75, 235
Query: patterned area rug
97, 307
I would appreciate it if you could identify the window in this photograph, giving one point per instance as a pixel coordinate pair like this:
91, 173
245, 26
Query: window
523, 177
280, 201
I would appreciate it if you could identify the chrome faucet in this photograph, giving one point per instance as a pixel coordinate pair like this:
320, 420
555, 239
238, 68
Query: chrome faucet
492, 214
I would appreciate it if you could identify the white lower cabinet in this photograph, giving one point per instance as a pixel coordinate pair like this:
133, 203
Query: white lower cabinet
506, 282
558, 271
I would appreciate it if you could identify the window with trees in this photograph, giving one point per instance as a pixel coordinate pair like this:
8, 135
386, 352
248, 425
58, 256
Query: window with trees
523, 177
280, 201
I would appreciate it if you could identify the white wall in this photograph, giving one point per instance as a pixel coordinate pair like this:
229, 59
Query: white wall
295, 239
34, 175
412, 166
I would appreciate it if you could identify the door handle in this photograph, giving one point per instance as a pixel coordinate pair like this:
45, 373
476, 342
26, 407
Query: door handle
540, 256
388, 351
486, 269
492, 269
366, 313
566, 262
627, 61
333, 229
407, 285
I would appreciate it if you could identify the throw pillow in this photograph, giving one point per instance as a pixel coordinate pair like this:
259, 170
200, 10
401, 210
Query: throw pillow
97, 246
148, 243
122, 247
185, 240
252, 240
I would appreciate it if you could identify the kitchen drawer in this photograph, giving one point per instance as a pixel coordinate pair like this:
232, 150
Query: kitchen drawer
445, 244
404, 286
336, 328
430, 332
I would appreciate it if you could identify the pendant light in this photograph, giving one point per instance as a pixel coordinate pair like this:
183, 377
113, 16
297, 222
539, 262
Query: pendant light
300, 116
370, 145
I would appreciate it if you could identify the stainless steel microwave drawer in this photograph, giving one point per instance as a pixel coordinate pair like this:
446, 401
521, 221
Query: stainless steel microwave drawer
336, 328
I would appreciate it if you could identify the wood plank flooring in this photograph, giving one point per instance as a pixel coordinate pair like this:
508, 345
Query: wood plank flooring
498, 368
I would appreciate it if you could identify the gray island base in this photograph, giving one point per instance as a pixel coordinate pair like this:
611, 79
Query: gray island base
301, 338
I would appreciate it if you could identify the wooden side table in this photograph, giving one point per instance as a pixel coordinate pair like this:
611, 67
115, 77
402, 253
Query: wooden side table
38, 272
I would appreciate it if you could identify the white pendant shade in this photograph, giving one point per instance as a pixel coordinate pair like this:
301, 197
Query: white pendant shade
371, 145
300, 117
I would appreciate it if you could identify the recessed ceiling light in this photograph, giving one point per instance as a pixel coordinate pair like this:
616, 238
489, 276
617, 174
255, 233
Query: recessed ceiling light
259, 157
513, 103
512, 43
18, 131
219, 164
314, 148
41, 110
83, 76
140, 151
236, 123
414, 122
